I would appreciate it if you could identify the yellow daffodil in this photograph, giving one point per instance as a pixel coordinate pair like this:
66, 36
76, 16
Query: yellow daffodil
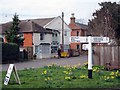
112, 73
112, 77
67, 78
64, 71
44, 72
83, 77
108, 77
45, 79
94, 70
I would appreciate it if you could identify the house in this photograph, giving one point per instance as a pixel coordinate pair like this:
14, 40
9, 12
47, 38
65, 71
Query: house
55, 24
78, 29
36, 38
42, 36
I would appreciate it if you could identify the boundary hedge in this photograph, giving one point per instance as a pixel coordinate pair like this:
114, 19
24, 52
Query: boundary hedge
10, 51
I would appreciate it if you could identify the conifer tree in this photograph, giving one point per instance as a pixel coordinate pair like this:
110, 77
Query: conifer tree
13, 35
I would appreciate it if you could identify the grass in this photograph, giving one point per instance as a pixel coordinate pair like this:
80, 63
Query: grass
54, 76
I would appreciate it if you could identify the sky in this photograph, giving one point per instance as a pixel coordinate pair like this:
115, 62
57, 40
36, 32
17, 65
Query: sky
33, 9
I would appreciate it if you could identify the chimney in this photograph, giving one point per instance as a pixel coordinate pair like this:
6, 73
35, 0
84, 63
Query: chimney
72, 19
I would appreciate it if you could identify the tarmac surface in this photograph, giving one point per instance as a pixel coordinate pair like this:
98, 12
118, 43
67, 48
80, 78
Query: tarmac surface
43, 62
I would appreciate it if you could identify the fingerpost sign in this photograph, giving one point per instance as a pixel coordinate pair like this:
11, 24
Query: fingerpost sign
89, 40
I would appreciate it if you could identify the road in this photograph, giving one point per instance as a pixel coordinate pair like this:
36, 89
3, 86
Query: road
43, 62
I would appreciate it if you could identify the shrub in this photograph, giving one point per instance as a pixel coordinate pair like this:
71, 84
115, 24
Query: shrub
10, 51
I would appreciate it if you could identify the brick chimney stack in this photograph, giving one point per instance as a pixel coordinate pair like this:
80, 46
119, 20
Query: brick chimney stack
72, 19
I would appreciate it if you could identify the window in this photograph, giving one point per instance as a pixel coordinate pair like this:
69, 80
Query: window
56, 34
77, 33
42, 36
78, 46
53, 35
54, 49
36, 49
65, 33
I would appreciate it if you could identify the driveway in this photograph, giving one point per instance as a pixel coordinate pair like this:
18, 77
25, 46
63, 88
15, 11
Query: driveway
43, 62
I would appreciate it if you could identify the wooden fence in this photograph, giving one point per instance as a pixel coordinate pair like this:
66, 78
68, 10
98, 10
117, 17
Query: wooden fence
106, 55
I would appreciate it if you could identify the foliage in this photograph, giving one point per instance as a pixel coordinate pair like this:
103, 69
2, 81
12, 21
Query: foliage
106, 21
53, 76
10, 51
13, 35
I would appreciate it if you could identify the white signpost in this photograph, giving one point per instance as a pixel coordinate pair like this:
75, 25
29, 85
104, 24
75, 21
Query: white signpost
9, 72
89, 40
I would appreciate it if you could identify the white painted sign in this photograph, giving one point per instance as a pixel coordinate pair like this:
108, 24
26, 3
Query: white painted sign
9, 72
79, 39
100, 39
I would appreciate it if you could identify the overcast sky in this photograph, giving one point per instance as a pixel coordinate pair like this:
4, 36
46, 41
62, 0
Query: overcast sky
31, 9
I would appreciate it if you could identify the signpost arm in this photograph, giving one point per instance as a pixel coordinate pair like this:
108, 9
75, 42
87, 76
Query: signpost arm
89, 57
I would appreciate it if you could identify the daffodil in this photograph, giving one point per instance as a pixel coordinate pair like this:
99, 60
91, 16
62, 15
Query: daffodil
45, 72
112, 73
45, 79
83, 77
67, 78
94, 70
108, 77
112, 77
64, 71
64, 66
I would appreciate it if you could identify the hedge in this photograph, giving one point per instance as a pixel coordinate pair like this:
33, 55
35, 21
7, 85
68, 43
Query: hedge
10, 51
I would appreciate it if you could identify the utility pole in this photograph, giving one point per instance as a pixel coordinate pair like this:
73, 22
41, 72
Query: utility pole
63, 31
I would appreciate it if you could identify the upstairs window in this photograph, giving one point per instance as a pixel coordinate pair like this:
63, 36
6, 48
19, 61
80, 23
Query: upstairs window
56, 34
42, 36
78, 46
77, 33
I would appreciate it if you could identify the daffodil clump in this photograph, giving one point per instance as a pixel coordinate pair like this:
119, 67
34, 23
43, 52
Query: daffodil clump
68, 78
83, 77
112, 75
116, 74
70, 75
44, 72
96, 69
48, 79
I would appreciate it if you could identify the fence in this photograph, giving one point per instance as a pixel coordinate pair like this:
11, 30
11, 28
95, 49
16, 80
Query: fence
108, 56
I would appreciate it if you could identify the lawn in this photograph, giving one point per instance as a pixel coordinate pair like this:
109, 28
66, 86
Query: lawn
54, 76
